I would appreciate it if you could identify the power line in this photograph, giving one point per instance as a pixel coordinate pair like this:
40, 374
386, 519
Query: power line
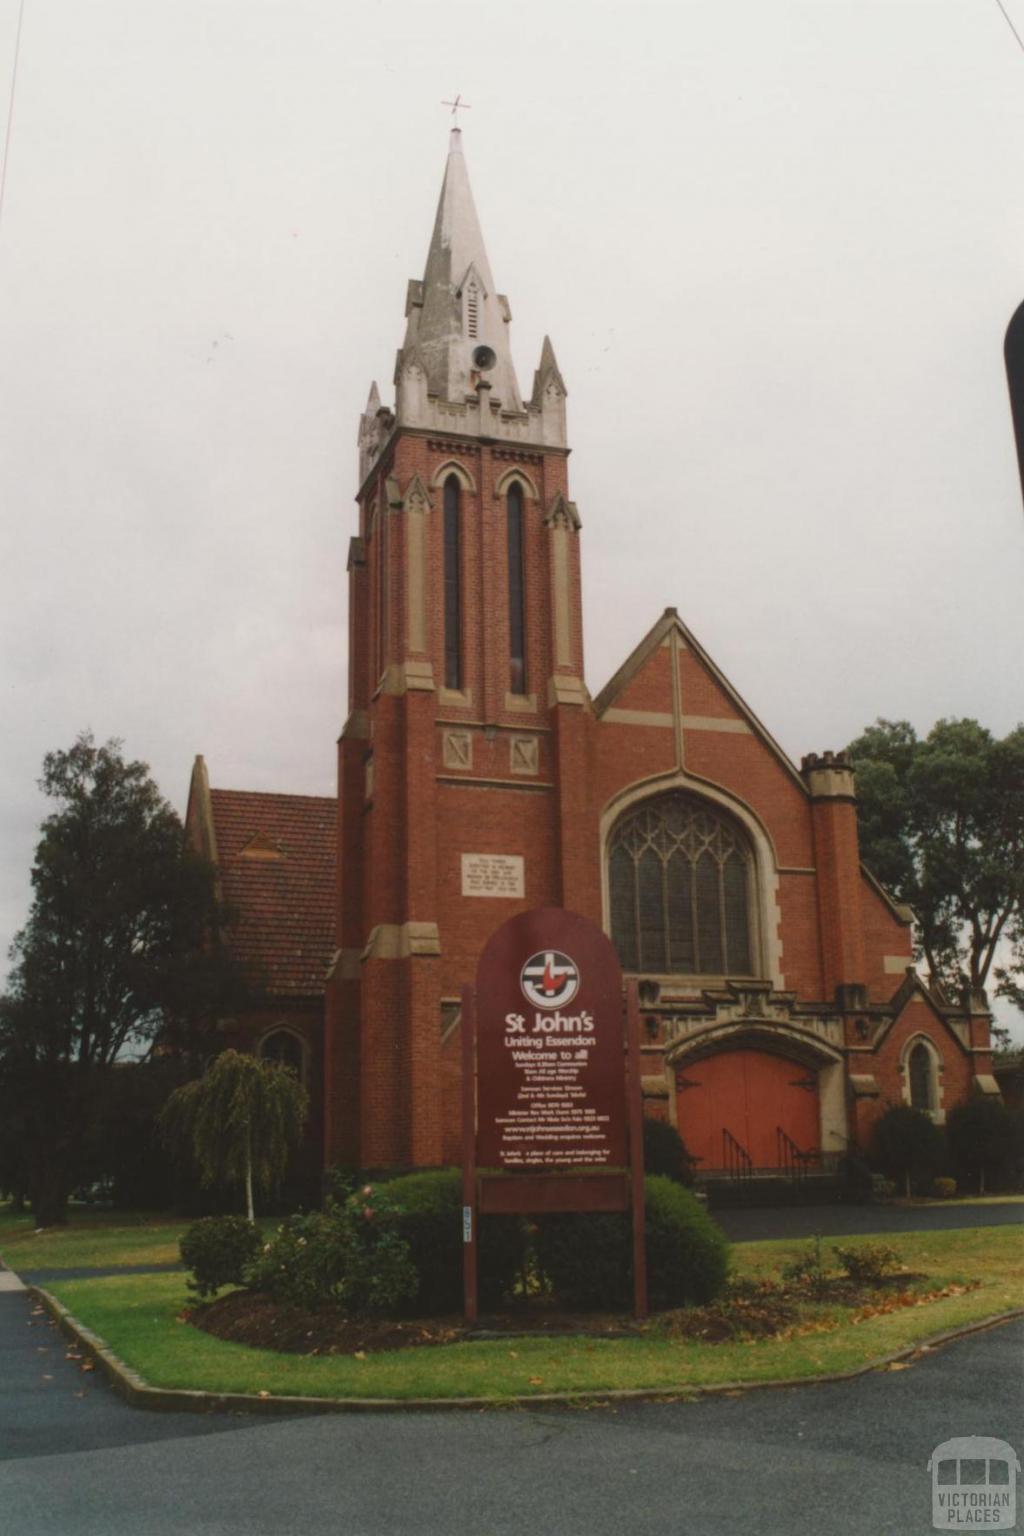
1009, 23
10, 108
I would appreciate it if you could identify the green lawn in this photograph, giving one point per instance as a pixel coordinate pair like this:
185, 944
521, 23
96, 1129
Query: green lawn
139, 1318
93, 1238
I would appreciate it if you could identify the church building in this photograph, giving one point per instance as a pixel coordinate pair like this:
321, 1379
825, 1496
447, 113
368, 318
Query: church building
478, 777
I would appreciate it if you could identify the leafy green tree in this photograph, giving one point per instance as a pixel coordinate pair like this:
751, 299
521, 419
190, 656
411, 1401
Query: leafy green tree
238, 1122
116, 953
941, 824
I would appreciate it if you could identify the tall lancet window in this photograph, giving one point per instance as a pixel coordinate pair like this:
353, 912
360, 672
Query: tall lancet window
452, 585
921, 1078
382, 586
516, 592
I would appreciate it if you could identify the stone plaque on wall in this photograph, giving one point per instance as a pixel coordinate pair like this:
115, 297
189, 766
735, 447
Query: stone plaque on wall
492, 874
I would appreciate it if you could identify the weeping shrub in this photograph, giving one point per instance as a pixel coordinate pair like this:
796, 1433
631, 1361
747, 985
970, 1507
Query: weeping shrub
238, 1122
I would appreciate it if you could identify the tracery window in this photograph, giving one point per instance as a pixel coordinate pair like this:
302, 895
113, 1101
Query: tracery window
920, 1070
680, 877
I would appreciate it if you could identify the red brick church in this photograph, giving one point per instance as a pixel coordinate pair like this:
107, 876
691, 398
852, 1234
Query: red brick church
478, 777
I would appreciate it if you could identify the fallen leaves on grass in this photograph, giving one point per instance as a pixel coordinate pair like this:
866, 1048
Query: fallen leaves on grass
909, 1299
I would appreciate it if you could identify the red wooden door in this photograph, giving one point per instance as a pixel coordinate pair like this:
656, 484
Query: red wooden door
751, 1094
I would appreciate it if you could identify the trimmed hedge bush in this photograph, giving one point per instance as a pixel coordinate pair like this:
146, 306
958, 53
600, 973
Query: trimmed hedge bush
587, 1259
216, 1250
428, 1215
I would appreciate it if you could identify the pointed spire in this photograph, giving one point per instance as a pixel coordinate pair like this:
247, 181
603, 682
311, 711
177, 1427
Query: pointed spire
374, 425
547, 373
456, 309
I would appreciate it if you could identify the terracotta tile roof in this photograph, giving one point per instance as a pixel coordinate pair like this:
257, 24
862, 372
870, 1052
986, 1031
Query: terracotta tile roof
276, 855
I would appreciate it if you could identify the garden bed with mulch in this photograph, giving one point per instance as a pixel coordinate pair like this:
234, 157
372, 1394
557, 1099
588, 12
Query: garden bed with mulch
749, 1310
246, 1317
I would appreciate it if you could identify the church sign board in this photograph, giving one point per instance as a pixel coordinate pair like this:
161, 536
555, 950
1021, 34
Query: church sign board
552, 1120
550, 1058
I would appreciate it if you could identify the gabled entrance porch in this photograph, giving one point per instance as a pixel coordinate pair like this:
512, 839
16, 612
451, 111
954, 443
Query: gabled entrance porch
761, 1109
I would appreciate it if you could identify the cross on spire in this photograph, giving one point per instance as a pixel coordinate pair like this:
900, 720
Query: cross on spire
457, 105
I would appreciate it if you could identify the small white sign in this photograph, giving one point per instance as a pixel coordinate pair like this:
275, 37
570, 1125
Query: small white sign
467, 1223
492, 874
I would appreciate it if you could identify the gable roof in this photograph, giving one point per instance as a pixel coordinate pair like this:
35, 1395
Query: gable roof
654, 637
283, 903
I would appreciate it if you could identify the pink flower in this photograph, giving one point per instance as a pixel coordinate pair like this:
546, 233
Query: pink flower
367, 1212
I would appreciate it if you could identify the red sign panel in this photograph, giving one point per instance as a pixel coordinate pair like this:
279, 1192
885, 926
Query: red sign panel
550, 1050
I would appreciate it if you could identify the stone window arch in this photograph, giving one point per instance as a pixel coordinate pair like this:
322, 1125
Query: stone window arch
512, 477
287, 1047
681, 876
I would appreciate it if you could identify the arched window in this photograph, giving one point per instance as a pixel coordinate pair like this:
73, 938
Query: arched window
920, 1072
452, 585
382, 586
284, 1047
680, 876
516, 591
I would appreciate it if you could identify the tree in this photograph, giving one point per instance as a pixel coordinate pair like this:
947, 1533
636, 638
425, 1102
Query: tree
116, 952
239, 1121
982, 1140
941, 824
908, 1147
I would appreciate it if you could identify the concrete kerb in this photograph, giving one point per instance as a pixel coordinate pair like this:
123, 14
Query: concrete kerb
134, 1389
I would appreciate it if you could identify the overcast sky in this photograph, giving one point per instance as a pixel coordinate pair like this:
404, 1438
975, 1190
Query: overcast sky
776, 246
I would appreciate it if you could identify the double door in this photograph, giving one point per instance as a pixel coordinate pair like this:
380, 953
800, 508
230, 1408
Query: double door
752, 1095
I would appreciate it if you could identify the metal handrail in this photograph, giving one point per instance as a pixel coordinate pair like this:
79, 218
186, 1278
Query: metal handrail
736, 1160
793, 1160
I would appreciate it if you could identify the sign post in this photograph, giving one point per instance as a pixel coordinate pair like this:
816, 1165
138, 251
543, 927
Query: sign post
636, 1149
469, 1200
544, 1083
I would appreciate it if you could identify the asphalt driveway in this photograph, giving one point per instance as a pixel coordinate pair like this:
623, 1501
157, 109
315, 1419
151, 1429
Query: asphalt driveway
845, 1458
749, 1226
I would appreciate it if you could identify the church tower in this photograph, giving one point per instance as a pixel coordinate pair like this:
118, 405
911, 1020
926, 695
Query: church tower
462, 764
